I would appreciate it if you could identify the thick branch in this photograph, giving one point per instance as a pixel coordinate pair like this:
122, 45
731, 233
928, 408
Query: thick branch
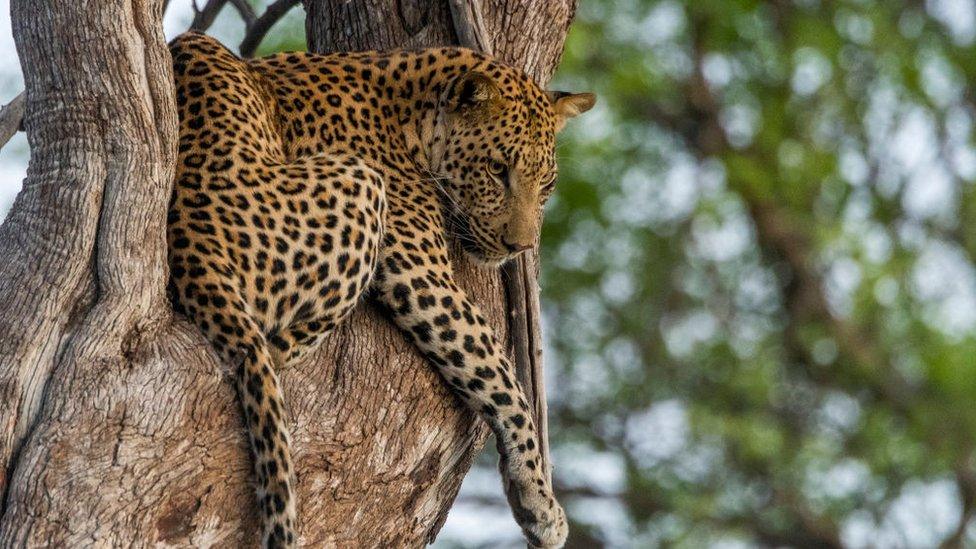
11, 118
83, 277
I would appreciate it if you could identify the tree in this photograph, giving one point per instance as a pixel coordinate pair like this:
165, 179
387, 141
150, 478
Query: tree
117, 423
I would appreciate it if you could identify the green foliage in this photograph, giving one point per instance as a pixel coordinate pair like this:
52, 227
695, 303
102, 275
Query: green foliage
758, 273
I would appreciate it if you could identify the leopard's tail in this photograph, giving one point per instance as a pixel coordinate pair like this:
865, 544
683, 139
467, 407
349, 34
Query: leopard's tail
264, 414
243, 345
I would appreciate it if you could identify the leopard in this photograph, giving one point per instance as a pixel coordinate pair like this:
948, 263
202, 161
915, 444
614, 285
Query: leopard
308, 183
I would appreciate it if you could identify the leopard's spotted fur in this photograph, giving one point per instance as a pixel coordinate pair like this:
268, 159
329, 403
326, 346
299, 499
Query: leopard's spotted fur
304, 180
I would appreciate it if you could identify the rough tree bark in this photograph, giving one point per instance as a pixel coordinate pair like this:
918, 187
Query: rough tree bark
118, 425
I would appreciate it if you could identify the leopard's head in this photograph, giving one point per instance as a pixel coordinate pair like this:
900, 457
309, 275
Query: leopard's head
496, 157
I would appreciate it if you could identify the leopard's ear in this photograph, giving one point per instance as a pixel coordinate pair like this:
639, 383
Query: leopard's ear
473, 90
568, 105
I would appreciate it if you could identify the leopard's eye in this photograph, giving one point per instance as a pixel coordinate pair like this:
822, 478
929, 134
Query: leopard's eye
499, 170
548, 187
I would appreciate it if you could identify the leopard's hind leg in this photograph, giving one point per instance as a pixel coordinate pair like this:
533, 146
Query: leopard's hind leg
324, 251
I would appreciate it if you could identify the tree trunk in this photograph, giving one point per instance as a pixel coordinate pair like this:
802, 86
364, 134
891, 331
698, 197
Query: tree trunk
118, 426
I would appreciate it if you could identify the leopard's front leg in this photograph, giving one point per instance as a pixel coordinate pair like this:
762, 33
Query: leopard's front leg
451, 331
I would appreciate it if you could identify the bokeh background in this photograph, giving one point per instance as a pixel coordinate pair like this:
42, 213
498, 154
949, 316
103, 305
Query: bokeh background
758, 275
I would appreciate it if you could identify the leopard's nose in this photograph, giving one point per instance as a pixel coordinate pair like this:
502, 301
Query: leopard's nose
515, 247
518, 234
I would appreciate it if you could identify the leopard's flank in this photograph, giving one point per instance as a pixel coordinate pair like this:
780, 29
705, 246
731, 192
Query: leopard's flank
305, 180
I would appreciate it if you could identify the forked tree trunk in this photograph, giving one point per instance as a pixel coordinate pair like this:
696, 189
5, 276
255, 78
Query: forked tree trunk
118, 426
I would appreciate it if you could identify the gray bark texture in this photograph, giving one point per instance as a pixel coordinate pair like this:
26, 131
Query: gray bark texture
118, 425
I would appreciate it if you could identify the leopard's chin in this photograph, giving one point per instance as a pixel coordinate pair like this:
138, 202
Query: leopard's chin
477, 251
482, 257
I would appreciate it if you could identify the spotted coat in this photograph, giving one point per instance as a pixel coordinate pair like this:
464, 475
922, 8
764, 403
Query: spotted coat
305, 181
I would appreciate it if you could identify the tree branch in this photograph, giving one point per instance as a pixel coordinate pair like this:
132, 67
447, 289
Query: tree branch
12, 118
966, 481
260, 27
245, 10
204, 18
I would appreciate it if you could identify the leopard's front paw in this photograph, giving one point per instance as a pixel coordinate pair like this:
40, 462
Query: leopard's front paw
547, 529
536, 510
